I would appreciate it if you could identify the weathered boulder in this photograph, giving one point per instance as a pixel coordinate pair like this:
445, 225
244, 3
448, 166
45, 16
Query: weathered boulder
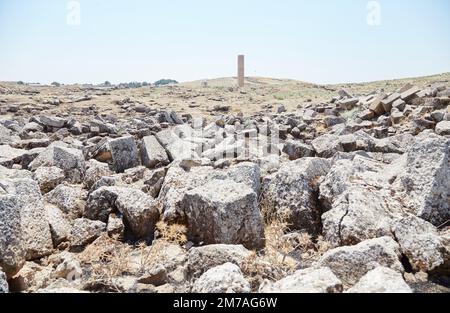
115, 226
223, 211
351, 263
12, 250
358, 214
4, 288
95, 171
226, 278
67, 266
310, 280
247, 173
443, 128
60, 227
424, 183
421, 243
24, 230
85, 231
152, 153
69, 199
48, 177
173, 140
51, 121
331, 120
381, 280
292, 190
10, 155
357, 200
70, 160
139, 211
178, 181
103, 127
203, 258
297, 150
124, 153
348, 142
326, 146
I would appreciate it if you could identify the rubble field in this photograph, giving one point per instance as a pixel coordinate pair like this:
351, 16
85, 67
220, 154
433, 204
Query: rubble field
280, 186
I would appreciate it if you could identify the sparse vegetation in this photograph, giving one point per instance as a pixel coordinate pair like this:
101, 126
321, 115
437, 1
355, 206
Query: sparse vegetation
163, 82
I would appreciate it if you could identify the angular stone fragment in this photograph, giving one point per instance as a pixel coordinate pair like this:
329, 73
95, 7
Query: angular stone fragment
179, 180
85, 231
124, 153
95, 171
381, 280
223, 211
292, 191
4, 288
376, 106
48, 177
399, 104
387, 102
409, 94
348, 104
201, 259
60, 227
297, 150
52, 121
70, 160
12, 249
69, 199
139, 210
351, 263
331, 121
421, 243
226, 278
326, 146
424, 184
396, 116
310, 280
152, 153
24, 229
443, 128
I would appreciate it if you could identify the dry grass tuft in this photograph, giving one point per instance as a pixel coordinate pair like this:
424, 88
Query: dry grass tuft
105, 259
284, 253
173, 233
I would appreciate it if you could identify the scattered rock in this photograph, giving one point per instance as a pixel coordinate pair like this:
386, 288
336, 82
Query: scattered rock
223, 211
85, 231
70, 160
423, 186
297, 150
293, 191
326, 146
4, 288
153, 154
226, 278
203, 258
351, 263
69, 199
381, 280
443, 128
48, 177
139, 210
310, 280
124, 153
421, 243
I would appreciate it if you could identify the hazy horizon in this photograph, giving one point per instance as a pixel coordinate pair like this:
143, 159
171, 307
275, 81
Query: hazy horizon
320, 41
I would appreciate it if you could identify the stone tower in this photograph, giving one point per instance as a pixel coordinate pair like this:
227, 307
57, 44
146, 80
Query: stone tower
241, 70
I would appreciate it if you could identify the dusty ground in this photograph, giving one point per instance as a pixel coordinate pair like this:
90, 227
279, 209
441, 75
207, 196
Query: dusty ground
195, 98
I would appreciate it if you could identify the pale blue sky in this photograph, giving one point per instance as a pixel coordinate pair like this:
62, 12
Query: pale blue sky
323, 41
